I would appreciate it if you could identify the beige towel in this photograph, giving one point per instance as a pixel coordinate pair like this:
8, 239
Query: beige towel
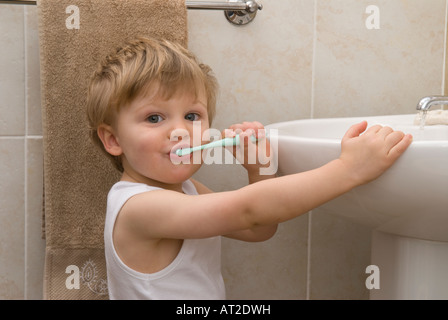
74, 35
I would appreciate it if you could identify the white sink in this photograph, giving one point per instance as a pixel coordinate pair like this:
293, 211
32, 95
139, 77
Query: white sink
407, 207
410, 199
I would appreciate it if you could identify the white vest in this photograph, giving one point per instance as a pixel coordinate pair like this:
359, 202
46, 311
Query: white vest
194, 274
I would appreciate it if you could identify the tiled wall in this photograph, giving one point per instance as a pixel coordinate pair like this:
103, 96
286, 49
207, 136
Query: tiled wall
21, 162
302, 59
298, 59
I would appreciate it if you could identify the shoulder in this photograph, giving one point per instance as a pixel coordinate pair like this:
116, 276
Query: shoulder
200, 188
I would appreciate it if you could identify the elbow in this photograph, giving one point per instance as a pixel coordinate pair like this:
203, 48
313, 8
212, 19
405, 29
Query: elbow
261, 223
263, 233
271, 233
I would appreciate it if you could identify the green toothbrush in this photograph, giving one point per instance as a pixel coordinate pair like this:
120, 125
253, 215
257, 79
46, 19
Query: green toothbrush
226, 142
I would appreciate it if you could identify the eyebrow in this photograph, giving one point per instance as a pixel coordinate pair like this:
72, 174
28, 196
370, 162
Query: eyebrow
198, 102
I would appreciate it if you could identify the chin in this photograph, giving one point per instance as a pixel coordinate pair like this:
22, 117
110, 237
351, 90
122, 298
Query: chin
183, 172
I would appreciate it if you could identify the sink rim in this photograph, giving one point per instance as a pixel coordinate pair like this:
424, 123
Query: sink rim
385, 120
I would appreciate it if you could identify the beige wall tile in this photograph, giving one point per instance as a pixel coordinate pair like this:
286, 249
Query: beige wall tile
339, 256
12, 222
274, 269
264, 68
361, 72
33, 97
12, 66
35, 253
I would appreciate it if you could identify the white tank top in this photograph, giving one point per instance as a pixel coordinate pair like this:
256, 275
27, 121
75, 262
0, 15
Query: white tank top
194, 274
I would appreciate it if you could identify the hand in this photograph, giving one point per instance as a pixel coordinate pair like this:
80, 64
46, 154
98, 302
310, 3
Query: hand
367, 155
252, 155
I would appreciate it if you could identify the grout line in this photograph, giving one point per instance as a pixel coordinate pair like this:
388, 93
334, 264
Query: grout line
25, 251
444, 71
313, 62
31, 137
310, 219
308, 259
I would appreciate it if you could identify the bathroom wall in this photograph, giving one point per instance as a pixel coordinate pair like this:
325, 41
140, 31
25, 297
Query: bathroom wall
313, 59
21, 162
298, 59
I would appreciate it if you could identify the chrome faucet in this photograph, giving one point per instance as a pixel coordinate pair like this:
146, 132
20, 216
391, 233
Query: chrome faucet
427, 102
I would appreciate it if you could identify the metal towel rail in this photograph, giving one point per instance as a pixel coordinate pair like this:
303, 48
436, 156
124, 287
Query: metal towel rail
238, 12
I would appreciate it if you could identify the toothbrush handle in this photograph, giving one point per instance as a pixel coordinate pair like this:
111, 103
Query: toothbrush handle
226, 142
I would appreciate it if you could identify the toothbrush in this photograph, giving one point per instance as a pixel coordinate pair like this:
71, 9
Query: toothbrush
226, 142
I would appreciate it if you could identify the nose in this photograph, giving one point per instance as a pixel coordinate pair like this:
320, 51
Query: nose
179, 134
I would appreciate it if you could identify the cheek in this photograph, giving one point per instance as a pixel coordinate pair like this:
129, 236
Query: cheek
151, 148
143, 150
206, 132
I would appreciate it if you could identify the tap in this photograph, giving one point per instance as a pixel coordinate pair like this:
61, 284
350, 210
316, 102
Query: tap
427, 102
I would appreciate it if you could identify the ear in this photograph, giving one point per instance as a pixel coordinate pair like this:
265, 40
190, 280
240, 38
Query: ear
110, 142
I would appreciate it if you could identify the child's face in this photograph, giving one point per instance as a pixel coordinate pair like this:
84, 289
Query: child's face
150, 129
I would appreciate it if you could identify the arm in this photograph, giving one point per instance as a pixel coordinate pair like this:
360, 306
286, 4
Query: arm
255, 234
165, 214
363, 158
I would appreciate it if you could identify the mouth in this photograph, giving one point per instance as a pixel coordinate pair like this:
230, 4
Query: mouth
176, 159
179, 146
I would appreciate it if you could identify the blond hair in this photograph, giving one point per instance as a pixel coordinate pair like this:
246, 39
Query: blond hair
140, 65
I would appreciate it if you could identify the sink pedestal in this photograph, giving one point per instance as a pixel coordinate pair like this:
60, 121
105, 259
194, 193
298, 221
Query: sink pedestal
409, 268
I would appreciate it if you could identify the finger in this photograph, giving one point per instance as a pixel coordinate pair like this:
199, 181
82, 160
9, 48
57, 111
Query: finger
374, 129
247, 130
237, 127
393, 138
355, 130
257, 125
241, 127
251, 128
385, 132
260, 131
228, 133
245, 135
400, 147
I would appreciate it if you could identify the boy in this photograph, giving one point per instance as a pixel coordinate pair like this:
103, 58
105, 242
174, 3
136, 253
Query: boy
162, 231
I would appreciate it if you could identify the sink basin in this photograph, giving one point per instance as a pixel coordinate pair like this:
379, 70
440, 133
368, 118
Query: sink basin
410, 199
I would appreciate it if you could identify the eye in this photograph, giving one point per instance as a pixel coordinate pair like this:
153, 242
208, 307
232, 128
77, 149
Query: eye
154, 118
192, 117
